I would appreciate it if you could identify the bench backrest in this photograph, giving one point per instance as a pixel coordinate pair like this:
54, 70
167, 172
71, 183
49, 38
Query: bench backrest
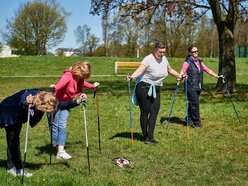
125, 66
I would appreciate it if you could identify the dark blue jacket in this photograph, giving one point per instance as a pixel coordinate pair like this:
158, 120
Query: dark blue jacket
14, 110
195, 77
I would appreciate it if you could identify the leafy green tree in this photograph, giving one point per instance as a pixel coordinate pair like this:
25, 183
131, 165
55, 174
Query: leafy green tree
207, 32
92, 44
86, 39
100, 51
37, 26
82, 34
116, 36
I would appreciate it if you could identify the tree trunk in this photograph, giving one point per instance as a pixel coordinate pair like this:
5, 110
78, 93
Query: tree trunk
105, 26
226, 58
226, 24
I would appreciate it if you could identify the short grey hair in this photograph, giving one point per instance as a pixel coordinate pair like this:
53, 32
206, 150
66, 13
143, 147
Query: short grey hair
159, 45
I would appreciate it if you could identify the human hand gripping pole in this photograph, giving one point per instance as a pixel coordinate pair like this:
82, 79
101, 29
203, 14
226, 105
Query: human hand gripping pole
26, 141
86, 134
230, 97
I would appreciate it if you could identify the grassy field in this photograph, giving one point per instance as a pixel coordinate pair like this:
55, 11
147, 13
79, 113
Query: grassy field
217, 153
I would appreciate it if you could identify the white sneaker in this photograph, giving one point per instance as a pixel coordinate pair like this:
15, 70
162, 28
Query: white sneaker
63, 155
26, 173
12, 171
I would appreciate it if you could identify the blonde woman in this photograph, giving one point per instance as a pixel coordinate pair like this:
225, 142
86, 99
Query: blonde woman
13, 113
70, 85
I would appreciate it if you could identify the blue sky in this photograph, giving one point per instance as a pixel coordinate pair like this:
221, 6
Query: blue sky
80, 16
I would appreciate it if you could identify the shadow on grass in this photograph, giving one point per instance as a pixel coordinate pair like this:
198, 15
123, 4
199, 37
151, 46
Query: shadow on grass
137, 136
176, 120
47, 149
35, 166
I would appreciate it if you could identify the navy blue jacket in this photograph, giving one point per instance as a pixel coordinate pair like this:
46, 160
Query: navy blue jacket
14, 109
195, 78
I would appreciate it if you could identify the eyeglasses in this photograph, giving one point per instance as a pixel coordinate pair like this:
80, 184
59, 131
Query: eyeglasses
194, 51
161, 52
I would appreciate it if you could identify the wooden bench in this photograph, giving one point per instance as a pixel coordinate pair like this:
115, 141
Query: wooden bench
125, 66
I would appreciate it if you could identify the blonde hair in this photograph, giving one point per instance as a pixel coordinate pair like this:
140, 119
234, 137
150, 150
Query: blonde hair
82, 69
45, 101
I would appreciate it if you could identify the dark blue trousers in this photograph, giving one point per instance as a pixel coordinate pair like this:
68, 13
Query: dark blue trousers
194, 108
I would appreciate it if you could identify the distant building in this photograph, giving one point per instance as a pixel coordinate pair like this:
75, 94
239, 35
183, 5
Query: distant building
68, 52
6, 51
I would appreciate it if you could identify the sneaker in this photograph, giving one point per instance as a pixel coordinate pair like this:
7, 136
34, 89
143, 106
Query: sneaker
199, 125
154, 141
63, 155
12, 171
26, 173
190, 123
148, 141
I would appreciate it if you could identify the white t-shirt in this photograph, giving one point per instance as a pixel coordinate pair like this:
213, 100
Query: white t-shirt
156, 71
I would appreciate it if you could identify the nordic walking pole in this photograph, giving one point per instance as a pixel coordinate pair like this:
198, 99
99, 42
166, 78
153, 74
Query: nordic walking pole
187, 114
51, 126
51, 133
98, 117
174, 98
26, 141
130, 108
230, 97
86, 135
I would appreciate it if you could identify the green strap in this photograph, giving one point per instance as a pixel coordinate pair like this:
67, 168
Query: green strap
152, 91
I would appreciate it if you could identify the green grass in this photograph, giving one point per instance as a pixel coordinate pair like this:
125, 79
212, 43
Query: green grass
215, 155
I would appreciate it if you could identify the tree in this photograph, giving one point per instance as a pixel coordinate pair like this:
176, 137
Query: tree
1, 47
225, 15
86, 39
92, 44
36, 27
105, 25
82, 34
116, 36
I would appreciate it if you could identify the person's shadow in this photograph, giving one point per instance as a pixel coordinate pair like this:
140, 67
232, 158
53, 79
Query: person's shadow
173, 120
137, 136
140, 137
51, 151
28, 165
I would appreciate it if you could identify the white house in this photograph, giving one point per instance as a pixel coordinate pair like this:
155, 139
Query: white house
68, 52
6, 52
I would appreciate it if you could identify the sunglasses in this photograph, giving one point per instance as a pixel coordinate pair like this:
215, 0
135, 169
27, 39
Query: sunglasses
194, 51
